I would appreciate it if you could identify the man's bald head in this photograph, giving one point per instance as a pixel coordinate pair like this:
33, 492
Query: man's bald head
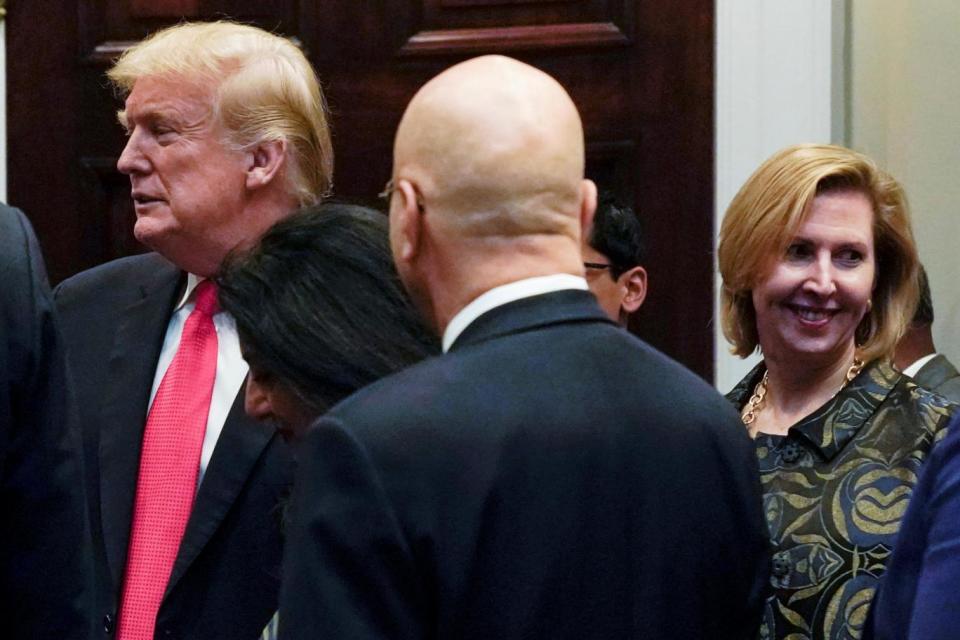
488, 184
495, 148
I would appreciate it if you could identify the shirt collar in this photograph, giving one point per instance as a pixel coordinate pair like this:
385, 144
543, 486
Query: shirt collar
834, 424
192, 281
503, 294
914, 368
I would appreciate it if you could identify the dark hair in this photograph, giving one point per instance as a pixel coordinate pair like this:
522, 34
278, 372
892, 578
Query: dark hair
319, 307
924, 313
617, 233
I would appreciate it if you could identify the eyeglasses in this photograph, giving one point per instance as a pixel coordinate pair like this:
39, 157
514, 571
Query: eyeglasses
597, 265
388, 190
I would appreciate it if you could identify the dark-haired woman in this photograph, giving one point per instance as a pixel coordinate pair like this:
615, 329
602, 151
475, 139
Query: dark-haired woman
320, 313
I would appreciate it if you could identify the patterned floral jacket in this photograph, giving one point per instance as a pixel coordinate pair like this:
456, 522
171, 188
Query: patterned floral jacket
835, 489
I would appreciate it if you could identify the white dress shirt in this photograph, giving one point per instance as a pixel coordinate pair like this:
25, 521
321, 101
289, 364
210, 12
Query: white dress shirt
918, 364
499, 296
231, 367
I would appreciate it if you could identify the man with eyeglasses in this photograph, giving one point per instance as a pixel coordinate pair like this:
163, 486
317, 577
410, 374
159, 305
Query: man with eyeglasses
613, 253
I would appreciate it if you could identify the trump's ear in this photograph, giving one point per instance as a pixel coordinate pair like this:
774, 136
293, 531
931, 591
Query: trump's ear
264, 162
406, 222
588, 205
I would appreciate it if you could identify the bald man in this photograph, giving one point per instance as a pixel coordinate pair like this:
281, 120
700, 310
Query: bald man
550, 475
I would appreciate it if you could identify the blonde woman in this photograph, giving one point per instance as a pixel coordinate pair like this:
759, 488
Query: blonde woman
819, 272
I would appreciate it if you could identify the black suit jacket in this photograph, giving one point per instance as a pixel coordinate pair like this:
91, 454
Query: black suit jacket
44, 548
941, 377
226, 577
550, 477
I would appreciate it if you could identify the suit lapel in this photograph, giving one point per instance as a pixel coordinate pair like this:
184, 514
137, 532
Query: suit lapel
137, 341
935, 373
240, 445
568, 305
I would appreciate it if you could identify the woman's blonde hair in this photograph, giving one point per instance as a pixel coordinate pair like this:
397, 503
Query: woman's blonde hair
767, 212
265, 90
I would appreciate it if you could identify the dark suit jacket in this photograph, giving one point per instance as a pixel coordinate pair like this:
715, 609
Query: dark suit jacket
226, 577
919, 597
550, 477
941, 377
44, 547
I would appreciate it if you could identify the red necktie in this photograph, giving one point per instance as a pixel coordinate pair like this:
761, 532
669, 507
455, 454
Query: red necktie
169, 466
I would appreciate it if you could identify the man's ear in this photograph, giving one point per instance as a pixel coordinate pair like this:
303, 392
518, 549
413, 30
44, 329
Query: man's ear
256, 401
264, 162
408, 220
588, 205
635, 282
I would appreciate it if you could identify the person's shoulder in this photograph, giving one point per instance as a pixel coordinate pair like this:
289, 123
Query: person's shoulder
606, 356
932, 410
612, 364
689, 392
947, 378
11, 219
950, 389
16, 236
922, 397
129, 267
391, 394
950, 444
944, 461
670, 400
100, 280
22, 270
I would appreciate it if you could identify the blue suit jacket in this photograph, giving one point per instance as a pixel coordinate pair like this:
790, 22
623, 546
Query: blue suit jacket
919, 598
550, 477
44, 549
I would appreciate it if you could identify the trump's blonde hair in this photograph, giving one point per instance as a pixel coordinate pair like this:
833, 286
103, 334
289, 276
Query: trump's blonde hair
264, 90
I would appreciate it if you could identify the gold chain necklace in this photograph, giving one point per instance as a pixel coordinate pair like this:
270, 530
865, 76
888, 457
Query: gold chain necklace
755, 403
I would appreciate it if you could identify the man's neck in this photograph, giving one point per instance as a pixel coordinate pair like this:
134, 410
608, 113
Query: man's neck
505, 294
459, 275
916, 343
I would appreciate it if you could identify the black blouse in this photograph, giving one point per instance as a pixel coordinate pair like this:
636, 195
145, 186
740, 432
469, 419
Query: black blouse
835, 488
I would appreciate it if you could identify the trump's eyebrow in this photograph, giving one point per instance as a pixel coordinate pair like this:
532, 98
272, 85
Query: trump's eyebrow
122, 119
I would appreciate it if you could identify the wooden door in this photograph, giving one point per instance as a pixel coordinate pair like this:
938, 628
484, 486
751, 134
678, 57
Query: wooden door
640, 71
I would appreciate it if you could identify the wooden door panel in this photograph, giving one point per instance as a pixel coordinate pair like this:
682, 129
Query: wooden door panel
485, 26
640, 71
493, 13
106, 29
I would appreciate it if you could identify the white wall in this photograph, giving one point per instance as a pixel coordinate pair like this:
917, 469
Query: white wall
779, 82
904, 90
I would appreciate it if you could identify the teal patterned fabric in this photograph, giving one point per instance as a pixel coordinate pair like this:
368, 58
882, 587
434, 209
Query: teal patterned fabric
835, 489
